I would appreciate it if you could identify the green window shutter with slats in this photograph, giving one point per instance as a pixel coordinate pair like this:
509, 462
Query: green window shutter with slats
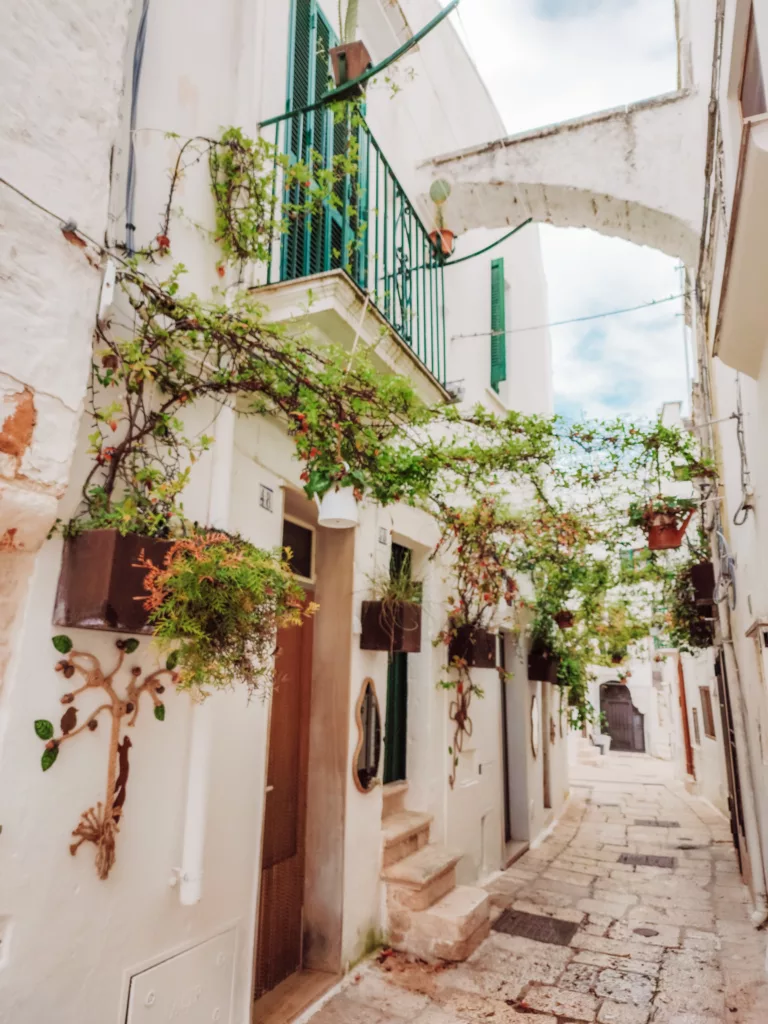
498, 324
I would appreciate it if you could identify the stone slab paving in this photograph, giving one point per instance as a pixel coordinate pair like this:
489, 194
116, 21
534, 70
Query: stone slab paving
654, 945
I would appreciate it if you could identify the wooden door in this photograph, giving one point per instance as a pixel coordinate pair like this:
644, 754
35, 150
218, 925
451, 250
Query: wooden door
626, 725
735, 805
279, 940
689, 765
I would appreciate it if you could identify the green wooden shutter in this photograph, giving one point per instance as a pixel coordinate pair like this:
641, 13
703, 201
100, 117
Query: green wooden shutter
498, 324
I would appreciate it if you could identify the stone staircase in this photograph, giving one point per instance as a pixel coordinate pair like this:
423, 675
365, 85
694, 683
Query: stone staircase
428, 915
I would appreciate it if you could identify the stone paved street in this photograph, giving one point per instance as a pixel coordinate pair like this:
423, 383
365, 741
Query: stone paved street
653, 945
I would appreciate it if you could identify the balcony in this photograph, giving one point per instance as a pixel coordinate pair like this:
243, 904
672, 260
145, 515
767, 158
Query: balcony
367, 233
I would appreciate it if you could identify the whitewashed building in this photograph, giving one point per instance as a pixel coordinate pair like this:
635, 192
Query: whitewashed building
248, 855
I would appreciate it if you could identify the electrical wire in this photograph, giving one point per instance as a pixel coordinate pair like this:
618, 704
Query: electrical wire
573, 320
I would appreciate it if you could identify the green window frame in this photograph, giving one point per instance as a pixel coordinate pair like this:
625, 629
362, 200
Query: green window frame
498, 324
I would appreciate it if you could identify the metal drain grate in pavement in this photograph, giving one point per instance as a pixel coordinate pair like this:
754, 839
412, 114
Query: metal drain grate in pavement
645, 860
531, 926
647, 823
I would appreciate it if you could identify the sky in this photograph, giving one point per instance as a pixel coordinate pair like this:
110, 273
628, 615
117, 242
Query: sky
549, 60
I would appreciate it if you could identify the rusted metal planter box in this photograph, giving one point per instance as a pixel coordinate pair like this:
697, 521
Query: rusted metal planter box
100, 581
395, 627
477, 647
543, 666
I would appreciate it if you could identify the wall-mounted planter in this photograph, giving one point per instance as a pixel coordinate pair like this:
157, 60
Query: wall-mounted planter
350, 60
100, 581
703, 581
394, 627
543, 666
475, 646
564, 619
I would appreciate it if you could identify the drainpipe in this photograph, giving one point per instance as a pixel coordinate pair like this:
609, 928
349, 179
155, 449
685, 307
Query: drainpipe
193, 855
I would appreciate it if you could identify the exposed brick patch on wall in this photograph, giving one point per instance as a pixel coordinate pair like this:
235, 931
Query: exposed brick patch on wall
18, 426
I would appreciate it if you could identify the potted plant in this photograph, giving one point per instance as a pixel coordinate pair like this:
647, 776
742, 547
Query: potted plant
543, 663
443, 240
350, 59
601, 738
565, 619
663, 519
472, 644
218, 601
392, 620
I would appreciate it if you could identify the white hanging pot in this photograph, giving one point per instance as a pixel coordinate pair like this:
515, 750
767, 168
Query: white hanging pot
338, 509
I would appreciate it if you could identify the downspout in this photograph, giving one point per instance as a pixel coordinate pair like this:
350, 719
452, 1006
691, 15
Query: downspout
195, 819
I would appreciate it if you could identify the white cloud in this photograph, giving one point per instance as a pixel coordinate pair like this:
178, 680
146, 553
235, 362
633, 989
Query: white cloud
550, 60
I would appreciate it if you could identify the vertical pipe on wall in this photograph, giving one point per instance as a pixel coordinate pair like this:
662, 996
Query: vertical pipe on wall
193, 855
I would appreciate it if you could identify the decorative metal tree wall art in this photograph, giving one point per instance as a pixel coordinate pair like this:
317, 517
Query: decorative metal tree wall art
100, 824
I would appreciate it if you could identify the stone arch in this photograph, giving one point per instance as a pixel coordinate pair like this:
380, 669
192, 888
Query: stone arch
635, 173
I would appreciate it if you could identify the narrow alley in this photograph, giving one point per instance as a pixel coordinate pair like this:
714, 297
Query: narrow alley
628, 943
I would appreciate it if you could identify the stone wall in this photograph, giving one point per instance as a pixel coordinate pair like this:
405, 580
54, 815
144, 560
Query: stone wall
61, 70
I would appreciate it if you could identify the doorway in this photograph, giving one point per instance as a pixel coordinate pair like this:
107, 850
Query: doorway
546, 742
396, 723
626, 725
690, 768
732, 767
502, 663
281, 903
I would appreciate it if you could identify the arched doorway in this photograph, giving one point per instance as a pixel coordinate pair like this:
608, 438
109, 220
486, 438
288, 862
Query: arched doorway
625, 724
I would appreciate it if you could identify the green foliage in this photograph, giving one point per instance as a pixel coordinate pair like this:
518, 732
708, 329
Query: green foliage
49, 757
642, 512
62, 643
43, 729
220, 600
160, 712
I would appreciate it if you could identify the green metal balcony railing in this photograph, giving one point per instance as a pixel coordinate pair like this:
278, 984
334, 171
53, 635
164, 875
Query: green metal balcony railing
368, 229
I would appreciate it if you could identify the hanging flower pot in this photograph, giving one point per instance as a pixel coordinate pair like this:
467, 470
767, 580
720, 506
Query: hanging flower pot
338, 509
616, 659
101, 584
350, 61
393, 626
443, 240
664, 520
473, 645
565, 619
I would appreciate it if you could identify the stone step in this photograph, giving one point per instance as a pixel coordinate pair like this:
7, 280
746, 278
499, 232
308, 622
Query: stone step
421, 879
403, 833
393, 797
451, 929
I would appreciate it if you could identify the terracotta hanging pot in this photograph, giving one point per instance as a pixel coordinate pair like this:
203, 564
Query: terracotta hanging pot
443, 240
564, 619
664, 533
350, 61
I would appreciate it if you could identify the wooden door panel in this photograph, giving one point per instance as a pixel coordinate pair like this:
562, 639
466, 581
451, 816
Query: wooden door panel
281, 900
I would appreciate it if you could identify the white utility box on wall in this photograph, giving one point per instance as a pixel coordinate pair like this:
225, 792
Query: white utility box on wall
193, 987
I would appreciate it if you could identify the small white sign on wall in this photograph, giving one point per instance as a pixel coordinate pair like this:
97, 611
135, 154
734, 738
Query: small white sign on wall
193, 987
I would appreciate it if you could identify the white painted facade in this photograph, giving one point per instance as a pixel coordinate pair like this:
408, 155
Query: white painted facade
72, 944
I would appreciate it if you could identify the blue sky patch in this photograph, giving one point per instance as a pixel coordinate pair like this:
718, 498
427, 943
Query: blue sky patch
591, 348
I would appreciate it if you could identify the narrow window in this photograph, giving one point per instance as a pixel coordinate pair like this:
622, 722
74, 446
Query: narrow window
696, 733
498, 325
300, 540
706, 712
753, 84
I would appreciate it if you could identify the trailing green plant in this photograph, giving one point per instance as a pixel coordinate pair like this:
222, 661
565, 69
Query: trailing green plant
218, 602
642, 512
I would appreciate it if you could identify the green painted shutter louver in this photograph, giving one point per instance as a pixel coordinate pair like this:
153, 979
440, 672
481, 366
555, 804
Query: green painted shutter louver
498, 325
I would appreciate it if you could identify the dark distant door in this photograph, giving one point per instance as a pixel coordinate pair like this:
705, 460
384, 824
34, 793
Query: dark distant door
626, 725
396, 725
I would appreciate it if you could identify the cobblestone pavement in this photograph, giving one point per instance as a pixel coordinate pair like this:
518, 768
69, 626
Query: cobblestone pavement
653, 945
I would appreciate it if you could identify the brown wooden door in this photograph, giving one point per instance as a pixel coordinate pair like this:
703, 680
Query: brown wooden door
626, 725
279, 940
689, 766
